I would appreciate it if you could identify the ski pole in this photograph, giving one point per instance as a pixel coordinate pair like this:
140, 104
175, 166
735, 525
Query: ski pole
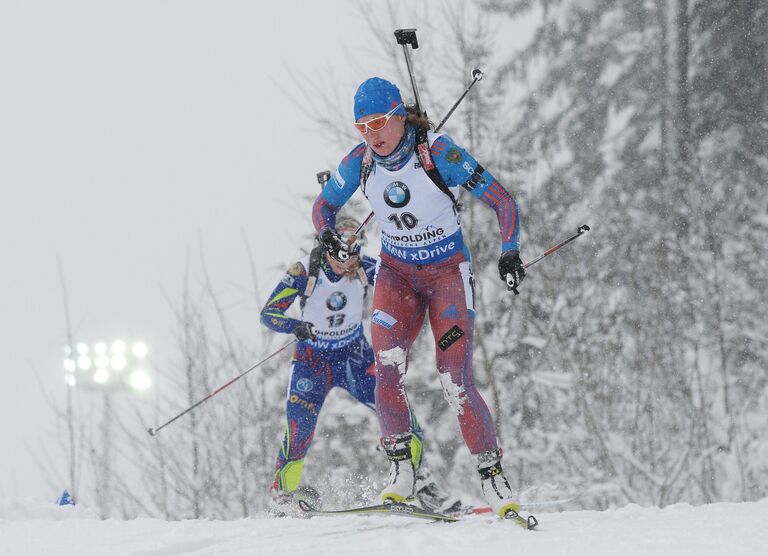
363, 224
323, 178
477, 75
154, 430
579, 231
407, 37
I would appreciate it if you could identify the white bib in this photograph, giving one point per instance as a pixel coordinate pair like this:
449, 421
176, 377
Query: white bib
417, 220
336, 310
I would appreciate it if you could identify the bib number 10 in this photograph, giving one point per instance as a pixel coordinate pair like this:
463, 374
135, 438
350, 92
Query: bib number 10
404, 220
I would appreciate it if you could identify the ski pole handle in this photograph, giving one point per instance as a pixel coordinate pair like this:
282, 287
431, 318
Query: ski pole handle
323, 178
511, 283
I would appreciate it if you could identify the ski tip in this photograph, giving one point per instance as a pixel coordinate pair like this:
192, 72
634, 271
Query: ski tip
583, 228
529, 522
152, 431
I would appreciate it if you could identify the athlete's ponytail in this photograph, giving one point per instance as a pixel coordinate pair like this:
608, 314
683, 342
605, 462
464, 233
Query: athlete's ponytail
420, 121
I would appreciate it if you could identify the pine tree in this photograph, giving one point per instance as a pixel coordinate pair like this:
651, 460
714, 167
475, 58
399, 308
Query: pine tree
630, 102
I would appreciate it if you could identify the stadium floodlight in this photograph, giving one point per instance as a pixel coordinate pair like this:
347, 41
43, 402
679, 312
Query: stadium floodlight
140, 380
107, 366
118, 363
101, 376
118, 347
139, 350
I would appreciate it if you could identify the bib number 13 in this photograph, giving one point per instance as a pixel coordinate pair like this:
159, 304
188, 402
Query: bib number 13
404, 220
335, 320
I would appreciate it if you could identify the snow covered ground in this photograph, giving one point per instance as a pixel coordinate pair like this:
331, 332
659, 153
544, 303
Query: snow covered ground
28, 527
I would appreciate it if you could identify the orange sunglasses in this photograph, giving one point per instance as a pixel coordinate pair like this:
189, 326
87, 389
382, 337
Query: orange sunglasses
377, 123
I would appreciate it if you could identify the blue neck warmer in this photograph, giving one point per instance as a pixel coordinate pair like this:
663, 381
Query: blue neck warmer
397, 158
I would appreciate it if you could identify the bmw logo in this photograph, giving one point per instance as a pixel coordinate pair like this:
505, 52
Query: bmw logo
304, 385
336, 301
396, 194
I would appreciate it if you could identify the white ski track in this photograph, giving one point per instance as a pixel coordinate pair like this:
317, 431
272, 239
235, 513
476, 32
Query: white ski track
36, 528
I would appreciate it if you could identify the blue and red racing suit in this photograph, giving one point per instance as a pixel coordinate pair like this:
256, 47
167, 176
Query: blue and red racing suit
340, 357
425, 265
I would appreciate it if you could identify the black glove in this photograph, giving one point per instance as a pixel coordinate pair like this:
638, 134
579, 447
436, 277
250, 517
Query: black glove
335, 246
305, 331
511, 270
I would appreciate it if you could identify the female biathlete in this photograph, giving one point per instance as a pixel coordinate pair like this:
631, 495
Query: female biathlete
412, 178
332, 351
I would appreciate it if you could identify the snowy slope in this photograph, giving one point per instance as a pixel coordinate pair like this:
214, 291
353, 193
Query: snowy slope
32, 528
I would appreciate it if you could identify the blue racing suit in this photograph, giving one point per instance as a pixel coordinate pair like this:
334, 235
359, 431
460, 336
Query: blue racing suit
340, 357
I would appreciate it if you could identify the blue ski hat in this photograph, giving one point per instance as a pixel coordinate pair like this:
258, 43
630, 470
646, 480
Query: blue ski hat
377, 96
